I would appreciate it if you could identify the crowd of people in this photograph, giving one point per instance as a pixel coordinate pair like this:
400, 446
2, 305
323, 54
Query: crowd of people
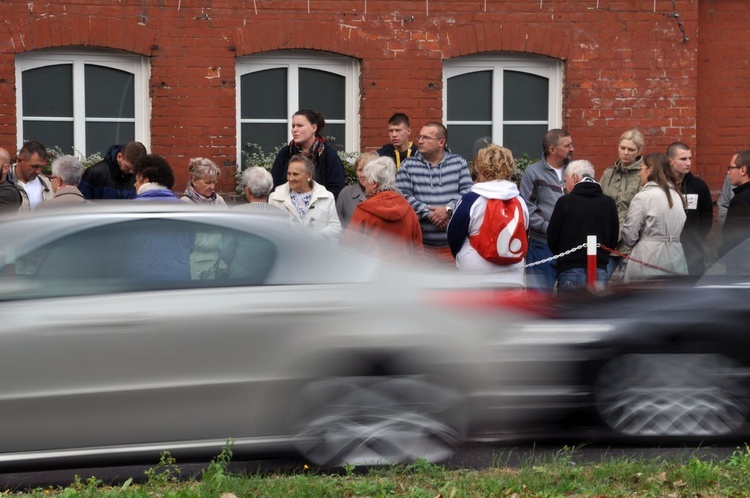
418, 200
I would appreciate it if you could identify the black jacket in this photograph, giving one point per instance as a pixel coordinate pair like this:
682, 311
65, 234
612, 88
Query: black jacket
389, 150
105, 179
737, 226
700, 217
585, 211
329, 170
10, 198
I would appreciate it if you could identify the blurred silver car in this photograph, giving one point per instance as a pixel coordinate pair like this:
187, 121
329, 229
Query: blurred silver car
107, 351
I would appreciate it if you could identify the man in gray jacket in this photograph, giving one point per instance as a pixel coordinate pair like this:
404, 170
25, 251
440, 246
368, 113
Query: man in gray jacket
541, 186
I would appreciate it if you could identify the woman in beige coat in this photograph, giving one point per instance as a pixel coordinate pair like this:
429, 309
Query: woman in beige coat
654, 222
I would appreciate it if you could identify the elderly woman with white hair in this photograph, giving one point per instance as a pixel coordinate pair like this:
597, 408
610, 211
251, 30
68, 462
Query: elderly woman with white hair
384, 223
201, 190
66, 175
257, 184
306, 202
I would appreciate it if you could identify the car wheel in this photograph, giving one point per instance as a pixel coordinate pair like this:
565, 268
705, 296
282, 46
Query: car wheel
672, 394
377, 421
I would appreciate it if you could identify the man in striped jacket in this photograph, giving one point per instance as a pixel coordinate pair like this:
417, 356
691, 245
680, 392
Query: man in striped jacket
433, 181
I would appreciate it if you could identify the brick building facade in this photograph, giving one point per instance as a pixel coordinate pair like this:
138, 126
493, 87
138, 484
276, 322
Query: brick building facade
204, 77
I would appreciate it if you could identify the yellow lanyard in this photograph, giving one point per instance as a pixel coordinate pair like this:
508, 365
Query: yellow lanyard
398, 155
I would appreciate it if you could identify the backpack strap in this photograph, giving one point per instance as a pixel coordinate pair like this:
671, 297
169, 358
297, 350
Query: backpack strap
458, 227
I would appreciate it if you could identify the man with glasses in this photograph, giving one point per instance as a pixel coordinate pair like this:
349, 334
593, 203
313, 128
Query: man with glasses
433, 181
737, 225
28, 178
541, 186
10, 197
699, 210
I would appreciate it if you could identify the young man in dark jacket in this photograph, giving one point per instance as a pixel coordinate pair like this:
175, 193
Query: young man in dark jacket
112, 178
699, 210
399, 131
584, 211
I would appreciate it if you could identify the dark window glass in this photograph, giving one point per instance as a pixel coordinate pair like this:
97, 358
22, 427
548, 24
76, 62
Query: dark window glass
264, 94
100, 136
470, 97
267, 136
322, 92
336, 135
461, 138
524, 138
150, 254
526, 97
51, 134
109, 93
48, 91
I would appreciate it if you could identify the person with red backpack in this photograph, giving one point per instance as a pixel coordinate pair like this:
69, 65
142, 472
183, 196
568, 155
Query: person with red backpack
487, 233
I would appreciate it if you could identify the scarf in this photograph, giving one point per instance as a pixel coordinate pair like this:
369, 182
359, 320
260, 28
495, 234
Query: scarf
198, 198
314, 153
377, 191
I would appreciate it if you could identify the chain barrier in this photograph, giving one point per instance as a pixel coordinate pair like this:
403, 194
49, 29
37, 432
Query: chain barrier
582, 246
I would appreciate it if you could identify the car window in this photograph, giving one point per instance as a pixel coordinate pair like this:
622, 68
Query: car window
144, 254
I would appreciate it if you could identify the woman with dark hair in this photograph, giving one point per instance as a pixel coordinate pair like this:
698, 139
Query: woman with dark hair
654, 222
306, 202
154, 179
307, 139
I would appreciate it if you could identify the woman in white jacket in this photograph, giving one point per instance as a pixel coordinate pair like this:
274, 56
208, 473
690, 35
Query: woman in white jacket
307, 203
654, 223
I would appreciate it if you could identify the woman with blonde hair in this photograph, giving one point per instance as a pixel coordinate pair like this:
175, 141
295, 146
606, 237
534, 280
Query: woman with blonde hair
621, 181
201, 190
654, 222
204, 175
493, 167
352, 195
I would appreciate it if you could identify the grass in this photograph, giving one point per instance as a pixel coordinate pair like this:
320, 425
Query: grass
557, 476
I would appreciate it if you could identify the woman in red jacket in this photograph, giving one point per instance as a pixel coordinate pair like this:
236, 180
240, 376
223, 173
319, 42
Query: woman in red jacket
384, 223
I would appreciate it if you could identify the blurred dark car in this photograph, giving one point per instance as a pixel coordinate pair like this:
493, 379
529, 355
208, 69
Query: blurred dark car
667, 360
110, 351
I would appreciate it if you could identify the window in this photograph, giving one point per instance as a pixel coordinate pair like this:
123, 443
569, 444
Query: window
273, 86
82, 101
511, 98
146, 254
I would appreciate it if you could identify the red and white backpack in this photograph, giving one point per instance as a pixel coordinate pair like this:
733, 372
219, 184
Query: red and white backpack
502, 237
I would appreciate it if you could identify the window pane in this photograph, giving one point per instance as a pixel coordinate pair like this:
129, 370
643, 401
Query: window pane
461, 138
322, 92
51, 134
100, 136
524, 138
264, 95
470, 97
268, 136
48, 91
109, 93
336, 135
526, 97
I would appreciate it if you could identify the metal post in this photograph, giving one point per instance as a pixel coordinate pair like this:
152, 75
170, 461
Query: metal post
591, 262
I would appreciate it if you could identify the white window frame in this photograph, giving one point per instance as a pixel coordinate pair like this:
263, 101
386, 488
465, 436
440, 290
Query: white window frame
134, 64
293, 61
551, 69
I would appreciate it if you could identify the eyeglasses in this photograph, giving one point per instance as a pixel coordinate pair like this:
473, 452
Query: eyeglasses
730, 168
425, 137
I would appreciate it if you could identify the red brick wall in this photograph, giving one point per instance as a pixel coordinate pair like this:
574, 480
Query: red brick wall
625, 65
724, 84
